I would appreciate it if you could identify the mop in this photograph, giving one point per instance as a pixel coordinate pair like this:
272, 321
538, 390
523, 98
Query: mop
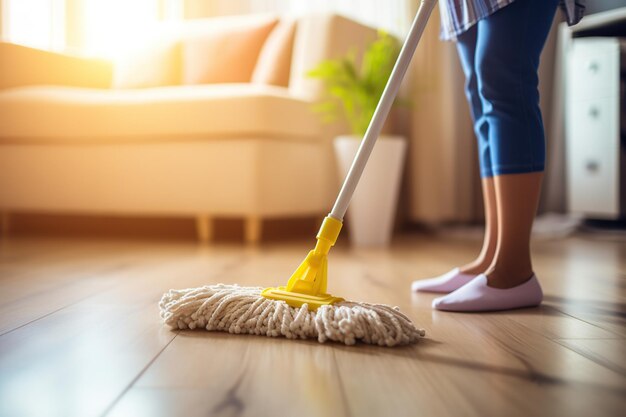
303, 309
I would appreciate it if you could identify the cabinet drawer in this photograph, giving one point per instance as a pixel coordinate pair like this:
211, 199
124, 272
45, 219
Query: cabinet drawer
593, 157
595, 121
594, 68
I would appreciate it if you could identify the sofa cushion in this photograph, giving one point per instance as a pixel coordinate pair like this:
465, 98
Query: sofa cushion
154, 64
224, 54
274, 61
320, 37
21, 66
207, 111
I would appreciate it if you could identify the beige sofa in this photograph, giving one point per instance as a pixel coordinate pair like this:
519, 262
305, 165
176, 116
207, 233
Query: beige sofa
161, 140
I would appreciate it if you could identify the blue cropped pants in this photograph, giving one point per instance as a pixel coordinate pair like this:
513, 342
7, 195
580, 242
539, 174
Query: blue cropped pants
500, 58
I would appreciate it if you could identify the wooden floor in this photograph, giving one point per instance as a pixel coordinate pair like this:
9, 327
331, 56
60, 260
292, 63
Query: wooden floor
80, 335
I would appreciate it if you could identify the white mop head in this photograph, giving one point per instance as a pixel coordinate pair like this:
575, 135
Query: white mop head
235, 309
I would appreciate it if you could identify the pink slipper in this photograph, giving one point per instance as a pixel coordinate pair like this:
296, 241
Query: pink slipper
444, 284
478, 296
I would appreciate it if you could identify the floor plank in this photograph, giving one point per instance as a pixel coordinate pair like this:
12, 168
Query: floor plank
610, 353
80, 332
91, 351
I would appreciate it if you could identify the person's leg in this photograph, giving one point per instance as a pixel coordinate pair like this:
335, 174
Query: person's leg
466, 47
508, 49
509, 44
517, 198
490, 239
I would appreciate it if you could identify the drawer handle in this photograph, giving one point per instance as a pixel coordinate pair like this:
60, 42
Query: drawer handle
592, 166
593, 66
594, 112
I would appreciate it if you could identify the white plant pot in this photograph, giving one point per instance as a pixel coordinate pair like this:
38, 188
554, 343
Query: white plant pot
372, 210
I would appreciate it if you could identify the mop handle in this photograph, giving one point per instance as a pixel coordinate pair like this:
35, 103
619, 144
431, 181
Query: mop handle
382, 109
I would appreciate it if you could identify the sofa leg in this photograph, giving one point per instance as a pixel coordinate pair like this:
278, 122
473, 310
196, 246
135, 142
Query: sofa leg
5, 223
252, 229
204, 229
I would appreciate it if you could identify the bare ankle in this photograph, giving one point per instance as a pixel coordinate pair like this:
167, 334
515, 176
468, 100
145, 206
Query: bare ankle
479, 266
508, 277
472, 269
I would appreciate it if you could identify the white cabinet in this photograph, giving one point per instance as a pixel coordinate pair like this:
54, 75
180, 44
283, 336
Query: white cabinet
594, 148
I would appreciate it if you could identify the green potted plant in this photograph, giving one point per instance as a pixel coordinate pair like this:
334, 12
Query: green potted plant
353, 90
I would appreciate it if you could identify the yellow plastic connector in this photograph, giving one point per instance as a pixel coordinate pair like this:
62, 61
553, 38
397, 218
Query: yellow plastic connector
308, 283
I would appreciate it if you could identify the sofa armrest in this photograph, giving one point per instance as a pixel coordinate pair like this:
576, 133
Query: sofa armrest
22, 66
320, 37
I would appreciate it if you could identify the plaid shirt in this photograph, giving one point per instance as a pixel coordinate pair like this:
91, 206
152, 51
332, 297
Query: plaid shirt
459, 15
